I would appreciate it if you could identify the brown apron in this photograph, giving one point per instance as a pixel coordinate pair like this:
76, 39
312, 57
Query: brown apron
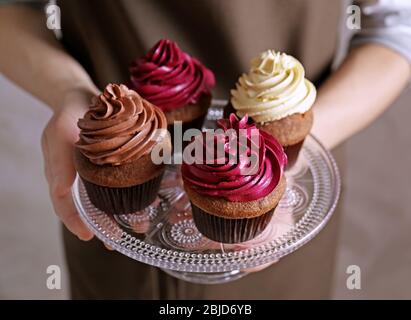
106, 35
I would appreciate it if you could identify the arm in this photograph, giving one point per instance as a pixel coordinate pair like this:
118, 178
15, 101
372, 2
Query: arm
373, 74
35, 61
362, 88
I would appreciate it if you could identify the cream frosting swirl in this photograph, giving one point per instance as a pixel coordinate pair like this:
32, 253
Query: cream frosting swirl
120, 126
274, 88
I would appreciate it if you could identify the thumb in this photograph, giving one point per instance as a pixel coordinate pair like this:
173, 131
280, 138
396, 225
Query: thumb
60, 172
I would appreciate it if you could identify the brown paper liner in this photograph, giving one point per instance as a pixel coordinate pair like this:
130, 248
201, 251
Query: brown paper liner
123, 200
229, 230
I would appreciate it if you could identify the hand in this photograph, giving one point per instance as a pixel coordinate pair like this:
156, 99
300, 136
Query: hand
57, 143
259, 268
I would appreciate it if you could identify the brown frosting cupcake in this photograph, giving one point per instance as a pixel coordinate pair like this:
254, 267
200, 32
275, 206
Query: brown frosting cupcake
113, 154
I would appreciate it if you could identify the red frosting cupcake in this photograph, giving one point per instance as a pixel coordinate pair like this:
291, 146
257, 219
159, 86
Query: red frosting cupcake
175, 82
230, 205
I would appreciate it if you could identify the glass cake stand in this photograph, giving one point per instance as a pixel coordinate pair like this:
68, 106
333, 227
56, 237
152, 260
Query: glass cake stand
164, 235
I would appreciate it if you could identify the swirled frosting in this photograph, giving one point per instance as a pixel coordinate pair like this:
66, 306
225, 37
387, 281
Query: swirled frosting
227, 179
119, 126
169, 77
274, 88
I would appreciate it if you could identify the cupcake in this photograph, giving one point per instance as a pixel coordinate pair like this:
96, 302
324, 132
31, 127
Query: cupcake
177, 83
231, 204
113, 154
278, 97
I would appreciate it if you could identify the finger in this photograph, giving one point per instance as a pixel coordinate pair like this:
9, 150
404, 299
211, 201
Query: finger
60, 148
61, 172
108, 247
259, 268
64, 207
47, 171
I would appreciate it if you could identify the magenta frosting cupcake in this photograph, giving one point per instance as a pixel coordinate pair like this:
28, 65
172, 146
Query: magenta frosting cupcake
174, 81
230, 202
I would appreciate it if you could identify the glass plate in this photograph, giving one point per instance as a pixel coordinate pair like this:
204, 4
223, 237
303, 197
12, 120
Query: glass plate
164, 234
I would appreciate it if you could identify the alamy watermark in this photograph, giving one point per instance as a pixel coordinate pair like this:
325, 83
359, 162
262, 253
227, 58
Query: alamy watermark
53, 281
212, 147
354, 279
353, 21
53, 14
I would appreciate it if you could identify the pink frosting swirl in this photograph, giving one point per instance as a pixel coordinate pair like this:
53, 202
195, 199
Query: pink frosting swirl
227, 180
170, 78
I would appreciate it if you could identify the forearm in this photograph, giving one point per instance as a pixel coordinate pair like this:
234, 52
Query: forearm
365, 85
33, 59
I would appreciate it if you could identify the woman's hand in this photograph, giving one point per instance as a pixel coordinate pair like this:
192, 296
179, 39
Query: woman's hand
37, 62
57, 143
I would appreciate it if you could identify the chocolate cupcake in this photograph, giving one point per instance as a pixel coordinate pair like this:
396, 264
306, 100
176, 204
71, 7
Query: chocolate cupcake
276, 95
233, 198
175, 82
113, 154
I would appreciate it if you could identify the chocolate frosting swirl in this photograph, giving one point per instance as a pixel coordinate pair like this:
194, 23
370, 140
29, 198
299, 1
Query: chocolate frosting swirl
227, 180
119, 127
169, 77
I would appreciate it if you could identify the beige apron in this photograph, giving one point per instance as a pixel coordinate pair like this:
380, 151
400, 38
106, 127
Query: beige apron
106, 35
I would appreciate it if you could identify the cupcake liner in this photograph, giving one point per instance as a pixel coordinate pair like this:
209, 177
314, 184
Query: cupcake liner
123, 200
292, 152
229, 230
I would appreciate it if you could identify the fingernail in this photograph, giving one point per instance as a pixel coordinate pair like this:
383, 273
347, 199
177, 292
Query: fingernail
83, 238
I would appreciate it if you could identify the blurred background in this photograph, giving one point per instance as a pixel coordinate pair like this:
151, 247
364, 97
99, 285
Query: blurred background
376, 217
